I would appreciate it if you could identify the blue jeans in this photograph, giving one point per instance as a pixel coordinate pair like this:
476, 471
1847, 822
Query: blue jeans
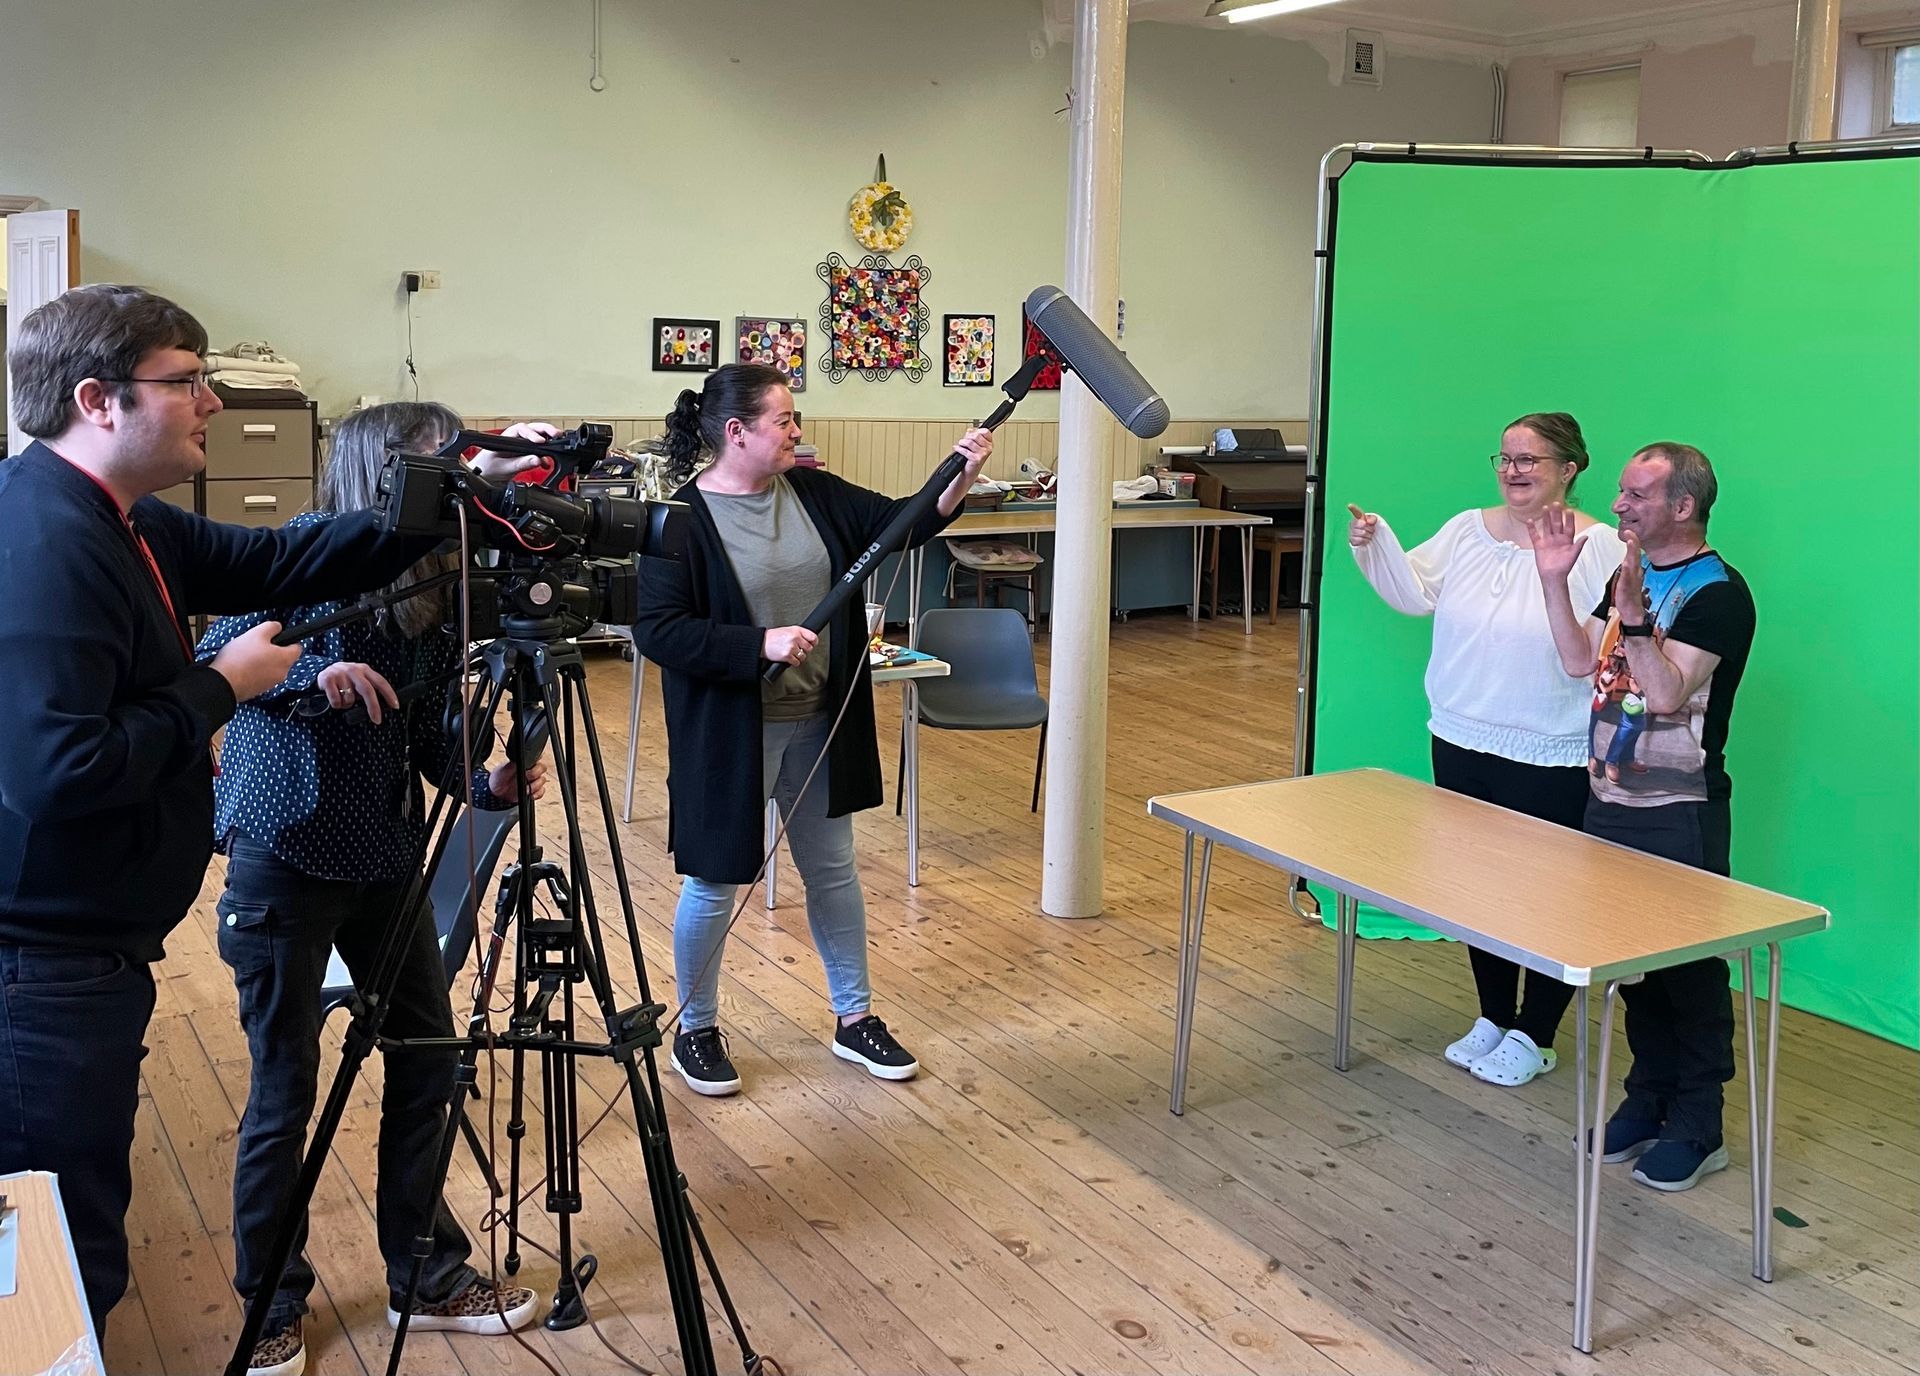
277, 926
823, 853
72, 1026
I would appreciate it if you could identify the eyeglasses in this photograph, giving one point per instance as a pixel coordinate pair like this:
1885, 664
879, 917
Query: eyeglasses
194, 384
1522, 464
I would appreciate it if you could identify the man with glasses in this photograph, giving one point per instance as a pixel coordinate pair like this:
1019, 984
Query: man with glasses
106, 794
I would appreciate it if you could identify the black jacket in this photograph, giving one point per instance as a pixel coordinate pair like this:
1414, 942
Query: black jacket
694, 623
106, 777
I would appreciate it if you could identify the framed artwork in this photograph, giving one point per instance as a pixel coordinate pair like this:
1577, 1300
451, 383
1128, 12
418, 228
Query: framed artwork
1033, 342
773, 341
969, 350
874, 317
689, 346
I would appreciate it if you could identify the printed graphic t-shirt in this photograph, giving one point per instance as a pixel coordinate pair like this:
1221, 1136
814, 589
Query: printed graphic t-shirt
1643, 759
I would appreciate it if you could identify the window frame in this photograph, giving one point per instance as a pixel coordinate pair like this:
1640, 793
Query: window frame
1883, 120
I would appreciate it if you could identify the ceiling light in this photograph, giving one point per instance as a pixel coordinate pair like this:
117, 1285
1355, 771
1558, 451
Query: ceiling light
1240, 11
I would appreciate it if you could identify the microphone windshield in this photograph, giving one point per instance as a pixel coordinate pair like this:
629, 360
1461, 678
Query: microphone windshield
1100, 364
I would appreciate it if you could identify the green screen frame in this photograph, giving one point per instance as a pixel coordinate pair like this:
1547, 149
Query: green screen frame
1768, 312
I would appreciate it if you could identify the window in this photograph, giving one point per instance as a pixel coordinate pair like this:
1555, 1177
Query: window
1894, 63
1601, 109
1902, 106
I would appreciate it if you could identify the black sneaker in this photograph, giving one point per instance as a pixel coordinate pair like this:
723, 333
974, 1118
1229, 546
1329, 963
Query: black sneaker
868, 1043
1676, 1165
701, 1058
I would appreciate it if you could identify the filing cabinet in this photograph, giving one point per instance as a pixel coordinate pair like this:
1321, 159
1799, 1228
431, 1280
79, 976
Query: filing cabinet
185, 495
261, 464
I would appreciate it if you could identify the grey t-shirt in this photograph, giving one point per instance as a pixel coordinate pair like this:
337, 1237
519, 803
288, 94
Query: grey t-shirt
783, 569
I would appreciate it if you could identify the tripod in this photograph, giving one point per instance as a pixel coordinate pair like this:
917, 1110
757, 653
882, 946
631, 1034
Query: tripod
555, 955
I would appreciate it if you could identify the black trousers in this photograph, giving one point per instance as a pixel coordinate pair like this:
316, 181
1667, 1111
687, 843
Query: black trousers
277, 926
1679, 1020
1553, 793
72, 1024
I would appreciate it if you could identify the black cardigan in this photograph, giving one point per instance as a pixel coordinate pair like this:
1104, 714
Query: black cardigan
694, 623
106, 779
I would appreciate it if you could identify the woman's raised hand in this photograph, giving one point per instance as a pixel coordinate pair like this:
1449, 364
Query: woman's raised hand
1555, 550
1363, 527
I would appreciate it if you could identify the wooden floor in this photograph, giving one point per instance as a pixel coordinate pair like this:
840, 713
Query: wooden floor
1028, 1204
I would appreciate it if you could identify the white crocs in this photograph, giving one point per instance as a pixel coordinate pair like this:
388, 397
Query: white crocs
1515, 1061
1481, 1039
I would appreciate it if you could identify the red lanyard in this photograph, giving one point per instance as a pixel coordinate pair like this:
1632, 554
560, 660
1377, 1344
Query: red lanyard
146, 554
153, 567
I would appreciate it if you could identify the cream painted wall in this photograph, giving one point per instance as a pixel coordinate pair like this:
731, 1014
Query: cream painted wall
276, 166
1714, 92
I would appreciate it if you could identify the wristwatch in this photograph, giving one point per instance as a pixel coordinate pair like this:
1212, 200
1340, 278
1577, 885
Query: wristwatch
1645, 628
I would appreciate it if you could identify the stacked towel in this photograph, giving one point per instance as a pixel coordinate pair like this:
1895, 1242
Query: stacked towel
253, 364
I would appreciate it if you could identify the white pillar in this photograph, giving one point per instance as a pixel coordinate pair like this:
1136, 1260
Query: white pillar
1075, 826
1816, 58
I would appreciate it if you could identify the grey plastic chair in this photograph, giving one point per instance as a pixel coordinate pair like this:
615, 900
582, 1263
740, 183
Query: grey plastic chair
993, 686
453, 915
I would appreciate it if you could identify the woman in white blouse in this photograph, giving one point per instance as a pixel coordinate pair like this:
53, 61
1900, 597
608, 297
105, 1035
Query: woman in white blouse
1509, 727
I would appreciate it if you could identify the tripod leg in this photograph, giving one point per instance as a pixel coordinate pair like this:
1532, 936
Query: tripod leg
673, 1213
479, 1150
563, 1186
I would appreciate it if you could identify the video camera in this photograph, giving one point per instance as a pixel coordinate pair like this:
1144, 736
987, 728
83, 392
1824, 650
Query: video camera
565, 559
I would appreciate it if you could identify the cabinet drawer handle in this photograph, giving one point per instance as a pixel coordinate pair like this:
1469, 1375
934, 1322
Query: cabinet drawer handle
261, 501
259, 432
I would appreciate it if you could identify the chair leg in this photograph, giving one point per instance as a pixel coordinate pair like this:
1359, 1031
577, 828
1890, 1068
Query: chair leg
1213, 574
1039, 763
900, 781
1273, 587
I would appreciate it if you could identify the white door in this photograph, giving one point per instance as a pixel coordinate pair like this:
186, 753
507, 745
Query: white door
43, 260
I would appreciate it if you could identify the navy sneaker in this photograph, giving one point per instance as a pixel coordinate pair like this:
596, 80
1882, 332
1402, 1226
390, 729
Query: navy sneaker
1628, 1138
868, 1043
1677, 1165
701, 1058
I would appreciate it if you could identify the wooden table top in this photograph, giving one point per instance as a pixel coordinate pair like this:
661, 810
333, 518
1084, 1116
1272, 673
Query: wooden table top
1569, 905
44, 1321
1149, 516
913, 668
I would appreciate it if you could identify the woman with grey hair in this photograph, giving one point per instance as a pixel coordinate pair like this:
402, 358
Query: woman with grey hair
322, 818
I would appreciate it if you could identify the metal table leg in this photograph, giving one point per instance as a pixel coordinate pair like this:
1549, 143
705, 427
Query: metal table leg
1193, 607
1580, 1128
773, 855
633, 728
1587, 1197
914, 558
1246, 578
1347, 921
1759, 1111
1193, 916
911, 766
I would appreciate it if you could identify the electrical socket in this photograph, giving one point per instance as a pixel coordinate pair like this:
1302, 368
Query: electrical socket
421, 279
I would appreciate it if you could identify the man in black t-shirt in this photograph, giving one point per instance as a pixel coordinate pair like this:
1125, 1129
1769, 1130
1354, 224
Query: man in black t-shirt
1666, 648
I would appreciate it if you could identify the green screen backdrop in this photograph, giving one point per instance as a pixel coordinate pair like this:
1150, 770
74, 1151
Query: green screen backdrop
1769, 314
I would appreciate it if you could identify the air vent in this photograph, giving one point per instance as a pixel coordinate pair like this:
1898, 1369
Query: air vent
1365, 57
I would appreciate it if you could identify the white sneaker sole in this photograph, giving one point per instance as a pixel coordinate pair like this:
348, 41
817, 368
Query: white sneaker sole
493, 1325
713, 1089
1716, 1161
293, 1366
874, 1068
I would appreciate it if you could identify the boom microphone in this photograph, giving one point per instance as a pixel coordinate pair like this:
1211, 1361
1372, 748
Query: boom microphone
1100, 365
